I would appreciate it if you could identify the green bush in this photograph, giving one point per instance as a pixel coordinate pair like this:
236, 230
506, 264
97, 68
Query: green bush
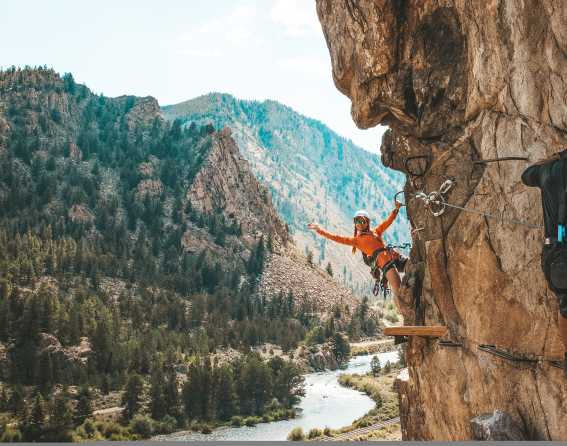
327, 431
142, 425
296, 435
267, 418
11, 435
167, 425
250, 421
206, 429
314, 433
112, 429
236, 421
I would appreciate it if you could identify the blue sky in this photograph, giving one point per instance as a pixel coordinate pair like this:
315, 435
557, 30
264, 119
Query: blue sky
176, 50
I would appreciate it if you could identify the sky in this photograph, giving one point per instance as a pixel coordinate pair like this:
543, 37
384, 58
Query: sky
177, 50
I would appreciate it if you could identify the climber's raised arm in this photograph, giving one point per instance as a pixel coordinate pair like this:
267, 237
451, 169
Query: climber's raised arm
336, 238
386, 223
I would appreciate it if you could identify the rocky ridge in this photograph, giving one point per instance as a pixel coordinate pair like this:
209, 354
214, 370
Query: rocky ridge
461, 82
312, 173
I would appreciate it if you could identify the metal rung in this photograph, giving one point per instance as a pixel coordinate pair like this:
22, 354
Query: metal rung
558, 364
503, 354
445, 343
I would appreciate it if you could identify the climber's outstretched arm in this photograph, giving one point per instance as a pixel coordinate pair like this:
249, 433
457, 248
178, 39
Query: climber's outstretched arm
350, 241
386, 223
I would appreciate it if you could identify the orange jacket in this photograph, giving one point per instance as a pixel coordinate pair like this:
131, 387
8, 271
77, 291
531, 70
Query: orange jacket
368, 242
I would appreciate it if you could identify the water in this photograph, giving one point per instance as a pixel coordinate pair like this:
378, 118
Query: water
326, 403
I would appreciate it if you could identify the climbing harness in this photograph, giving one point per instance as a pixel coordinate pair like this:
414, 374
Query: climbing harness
381, 283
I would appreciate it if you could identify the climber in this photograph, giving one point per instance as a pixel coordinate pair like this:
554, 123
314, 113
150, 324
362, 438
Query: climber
550, 175
370, 242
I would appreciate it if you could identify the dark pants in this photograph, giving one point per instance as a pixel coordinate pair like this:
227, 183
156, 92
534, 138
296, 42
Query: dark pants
560, 294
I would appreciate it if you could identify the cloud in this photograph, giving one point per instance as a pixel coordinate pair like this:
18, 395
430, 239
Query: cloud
298, 17
236, 28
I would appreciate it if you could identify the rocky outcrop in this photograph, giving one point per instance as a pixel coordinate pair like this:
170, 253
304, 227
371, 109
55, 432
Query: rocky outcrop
497, 426
461, 82
290, 271
226, 182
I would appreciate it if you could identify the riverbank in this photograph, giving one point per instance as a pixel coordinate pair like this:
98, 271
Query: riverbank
371, 347
317, 408
383, 417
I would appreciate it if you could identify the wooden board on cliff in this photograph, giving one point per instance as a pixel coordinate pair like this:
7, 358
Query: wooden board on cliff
435, 331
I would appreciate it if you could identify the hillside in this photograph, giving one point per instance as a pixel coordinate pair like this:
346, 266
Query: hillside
461, 83
313, 173
130, 250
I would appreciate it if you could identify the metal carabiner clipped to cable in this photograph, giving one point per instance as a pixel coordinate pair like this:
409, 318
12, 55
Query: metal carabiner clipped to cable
436, 203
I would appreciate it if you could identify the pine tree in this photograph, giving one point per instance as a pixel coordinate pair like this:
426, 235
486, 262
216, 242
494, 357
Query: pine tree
329, 269
132, 398
226, 395
171, 393
61, 420
157, 403
83, 409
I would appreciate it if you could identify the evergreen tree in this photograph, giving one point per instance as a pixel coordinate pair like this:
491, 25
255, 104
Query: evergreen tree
226, 394
340, 347
34, 426
83, 409
61, 420
375, 366
329, 269
132, 398
171, 393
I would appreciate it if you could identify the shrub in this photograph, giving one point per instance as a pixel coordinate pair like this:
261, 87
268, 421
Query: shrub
142, 425
250, 421
206, 429
167, 425
11, 435
327, 431
236, 421
296, 435
267, 418
314, 433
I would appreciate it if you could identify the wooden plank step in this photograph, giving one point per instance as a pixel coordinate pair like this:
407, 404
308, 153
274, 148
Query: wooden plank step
434, 331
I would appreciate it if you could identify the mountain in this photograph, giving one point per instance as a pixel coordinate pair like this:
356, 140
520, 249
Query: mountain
314, 174
128, 243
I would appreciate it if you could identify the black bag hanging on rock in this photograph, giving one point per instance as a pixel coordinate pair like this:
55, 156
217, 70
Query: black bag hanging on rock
555, 258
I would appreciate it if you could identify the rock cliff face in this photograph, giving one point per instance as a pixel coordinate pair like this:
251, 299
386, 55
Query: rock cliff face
226, 182
459, 82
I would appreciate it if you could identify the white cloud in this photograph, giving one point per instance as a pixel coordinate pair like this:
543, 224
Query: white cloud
235, 28
299, 17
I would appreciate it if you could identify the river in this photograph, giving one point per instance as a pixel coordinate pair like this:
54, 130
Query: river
326, 403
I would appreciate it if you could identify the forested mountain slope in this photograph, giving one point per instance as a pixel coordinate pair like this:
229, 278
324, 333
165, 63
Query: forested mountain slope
313, 173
